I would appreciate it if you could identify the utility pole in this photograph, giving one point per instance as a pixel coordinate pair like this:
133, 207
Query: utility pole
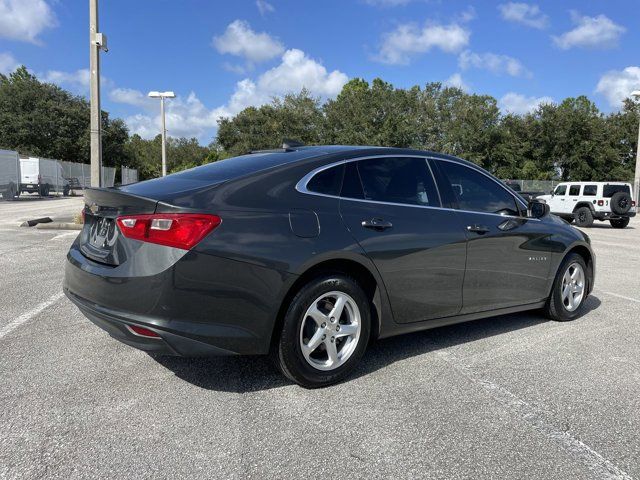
162, 96
97, 42
636, 179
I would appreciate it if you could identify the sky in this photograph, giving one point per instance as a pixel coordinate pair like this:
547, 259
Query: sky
222, 56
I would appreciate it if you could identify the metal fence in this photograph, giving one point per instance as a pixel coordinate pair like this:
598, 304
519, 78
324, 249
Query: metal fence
545, 186
82, 171
129, 175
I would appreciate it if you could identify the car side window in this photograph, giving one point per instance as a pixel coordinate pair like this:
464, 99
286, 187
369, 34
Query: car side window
476, 192
398, 180
574, 190
327, 182
590, 190
560, 190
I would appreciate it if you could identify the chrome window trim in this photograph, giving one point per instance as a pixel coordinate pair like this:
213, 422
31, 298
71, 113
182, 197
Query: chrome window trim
301, 186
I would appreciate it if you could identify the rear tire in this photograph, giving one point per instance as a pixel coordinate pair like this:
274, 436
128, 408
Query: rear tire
583, 217
569, 291
619, 222
320, 350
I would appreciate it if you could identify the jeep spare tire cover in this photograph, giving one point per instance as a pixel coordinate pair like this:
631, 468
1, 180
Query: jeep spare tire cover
620, 203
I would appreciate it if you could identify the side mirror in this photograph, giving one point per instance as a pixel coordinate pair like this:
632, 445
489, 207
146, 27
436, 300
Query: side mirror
538, 209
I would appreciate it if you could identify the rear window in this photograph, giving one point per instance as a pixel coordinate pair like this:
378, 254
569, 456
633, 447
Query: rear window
609, 191
243, 165
590, 190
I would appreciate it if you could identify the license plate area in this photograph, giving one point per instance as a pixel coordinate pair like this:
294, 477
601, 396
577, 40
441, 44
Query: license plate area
99, 240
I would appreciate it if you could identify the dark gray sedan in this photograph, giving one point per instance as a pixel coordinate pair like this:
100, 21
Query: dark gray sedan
310, 253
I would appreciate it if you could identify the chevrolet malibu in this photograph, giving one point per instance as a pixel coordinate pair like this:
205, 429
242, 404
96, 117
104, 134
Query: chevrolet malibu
310, 253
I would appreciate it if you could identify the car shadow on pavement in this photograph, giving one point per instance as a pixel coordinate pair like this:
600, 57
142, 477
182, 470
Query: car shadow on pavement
256, 373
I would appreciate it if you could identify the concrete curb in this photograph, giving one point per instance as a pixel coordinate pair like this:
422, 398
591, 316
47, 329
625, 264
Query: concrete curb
59, 226
36, 221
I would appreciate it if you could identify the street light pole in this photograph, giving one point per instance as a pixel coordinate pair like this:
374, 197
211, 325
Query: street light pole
162, 96
164, 139
636, 179
97, 42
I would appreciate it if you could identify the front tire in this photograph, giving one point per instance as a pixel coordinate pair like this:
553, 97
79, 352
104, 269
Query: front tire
584, 217
325, 331
619, 222
570, 290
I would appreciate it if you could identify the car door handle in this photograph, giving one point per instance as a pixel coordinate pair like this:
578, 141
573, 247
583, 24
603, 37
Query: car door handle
377, 224
481, 229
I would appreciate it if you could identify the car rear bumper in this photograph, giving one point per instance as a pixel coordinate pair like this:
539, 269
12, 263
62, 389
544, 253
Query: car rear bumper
168, 343
201, 305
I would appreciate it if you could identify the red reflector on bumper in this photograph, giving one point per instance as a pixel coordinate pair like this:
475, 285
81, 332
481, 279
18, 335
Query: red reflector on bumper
142, 332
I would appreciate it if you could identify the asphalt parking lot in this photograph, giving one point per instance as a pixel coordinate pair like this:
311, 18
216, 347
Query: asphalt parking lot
508, 397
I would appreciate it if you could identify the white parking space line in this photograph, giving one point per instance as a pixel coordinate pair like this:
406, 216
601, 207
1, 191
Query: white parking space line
25, 317
65, 235
631, 299
598, 464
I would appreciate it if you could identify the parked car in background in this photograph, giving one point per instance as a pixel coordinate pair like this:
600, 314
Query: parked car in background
584, 202
42, 176
9, 174
308, 253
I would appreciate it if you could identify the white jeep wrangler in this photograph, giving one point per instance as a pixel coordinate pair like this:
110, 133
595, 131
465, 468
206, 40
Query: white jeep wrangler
585, 202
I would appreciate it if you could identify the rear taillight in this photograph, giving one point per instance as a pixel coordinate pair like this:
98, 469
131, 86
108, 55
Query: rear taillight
600, 203
179, 230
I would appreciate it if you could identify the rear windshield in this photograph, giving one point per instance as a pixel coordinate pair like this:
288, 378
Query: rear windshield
243, 165
609, 191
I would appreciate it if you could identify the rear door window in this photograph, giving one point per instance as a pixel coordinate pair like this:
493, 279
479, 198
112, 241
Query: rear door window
574, 190
477, 192
590, 190
398, 180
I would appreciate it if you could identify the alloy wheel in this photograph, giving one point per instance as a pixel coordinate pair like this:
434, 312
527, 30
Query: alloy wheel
573, 287
330, 330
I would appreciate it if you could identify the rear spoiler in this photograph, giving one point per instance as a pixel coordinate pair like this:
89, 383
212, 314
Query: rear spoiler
110, 202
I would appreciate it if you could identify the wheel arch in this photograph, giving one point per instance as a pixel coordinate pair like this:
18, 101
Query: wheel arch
366, 276
584, 204
587, 254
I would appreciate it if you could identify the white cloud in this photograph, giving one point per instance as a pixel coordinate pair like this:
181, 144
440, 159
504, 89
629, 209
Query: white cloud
456, 80
616, 85
590, 32
497, 64
191, 118
130, 96
524, 13
240, 40
25, 19
79, 80
408, 40
521, 104
7, 63
468, 14
264, 7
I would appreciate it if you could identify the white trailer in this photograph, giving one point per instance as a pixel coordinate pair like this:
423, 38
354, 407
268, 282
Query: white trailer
42, 176
9, 174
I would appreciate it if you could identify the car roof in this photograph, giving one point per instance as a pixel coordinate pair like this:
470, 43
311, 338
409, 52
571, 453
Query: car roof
261, 160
